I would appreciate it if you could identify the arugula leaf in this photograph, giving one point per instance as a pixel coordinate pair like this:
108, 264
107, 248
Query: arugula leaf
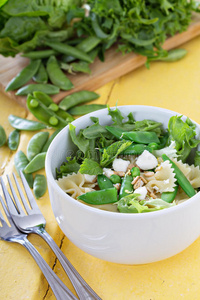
68, 167
183, 133
79, 140
90, 167
110, 153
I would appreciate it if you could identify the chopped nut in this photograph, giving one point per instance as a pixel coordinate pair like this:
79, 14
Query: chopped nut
148, 174
143, 179
153, 195
130, 166
138, 184
120, 173
117, 186
135, 179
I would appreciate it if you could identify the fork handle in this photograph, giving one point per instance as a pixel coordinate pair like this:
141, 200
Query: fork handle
60, 290
83, 290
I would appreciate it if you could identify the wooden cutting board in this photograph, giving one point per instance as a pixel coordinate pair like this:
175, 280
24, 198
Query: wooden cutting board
114, 66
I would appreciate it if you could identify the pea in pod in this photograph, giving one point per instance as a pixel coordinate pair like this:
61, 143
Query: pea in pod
36, 164
56, 76
24, 124
77, 98
39, 185
49, 89
3, 137
24, 76
21, 161
36, 144
40, 54
13, 139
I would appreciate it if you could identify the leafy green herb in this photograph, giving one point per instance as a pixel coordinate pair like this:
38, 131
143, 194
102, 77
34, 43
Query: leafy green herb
79, 140
68, 167
90, 167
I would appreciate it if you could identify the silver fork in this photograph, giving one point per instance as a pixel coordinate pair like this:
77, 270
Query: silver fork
12, 234
32, 221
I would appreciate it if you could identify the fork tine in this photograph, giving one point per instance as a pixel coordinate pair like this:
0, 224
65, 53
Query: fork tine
17, 203
9, 200
29, 194
4, 223
21, 195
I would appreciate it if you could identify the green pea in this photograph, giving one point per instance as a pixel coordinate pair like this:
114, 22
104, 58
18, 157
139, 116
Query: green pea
54, 107
24, 124
24, 76
45, 88
36, 144
37, 163
56, 76
3, 137
21, 161
34, 103
13, 139
135, 171
115, 178
39, 185
53, 121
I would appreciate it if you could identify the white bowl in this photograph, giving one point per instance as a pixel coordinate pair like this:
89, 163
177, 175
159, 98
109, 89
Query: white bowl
120, 237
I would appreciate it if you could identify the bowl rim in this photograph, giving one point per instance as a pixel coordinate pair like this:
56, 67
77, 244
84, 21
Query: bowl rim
112, 214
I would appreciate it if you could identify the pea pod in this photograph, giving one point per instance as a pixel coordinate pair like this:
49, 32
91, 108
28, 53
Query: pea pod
126, 186
143, 137
85, 109
69, 50
13, 139
41, 76
37, 163
3, 137
56, 76
136, 149
36, 144
24, 124
21, 161
49, 89
181, 179
48, 142
88, 43
117, 132
174, 55
77, 98
24, 76
104, 182
39, 54
39, 185
169, 196
100, 197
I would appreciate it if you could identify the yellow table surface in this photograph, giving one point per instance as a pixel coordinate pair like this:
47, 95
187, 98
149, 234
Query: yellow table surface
174, 86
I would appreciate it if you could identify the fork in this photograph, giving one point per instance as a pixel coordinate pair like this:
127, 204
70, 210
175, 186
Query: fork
34, 222
12, 234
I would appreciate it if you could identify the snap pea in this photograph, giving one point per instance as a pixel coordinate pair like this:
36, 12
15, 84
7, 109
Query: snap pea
21, 161
37, 163
3, 137
24, 76
36, 144
136, 149
117, 132
24, 124
174, 55
135, 171
69, 50
39, 185
40, 54
41, 76
13, 139
45, 115
52, 107
126, 186
48, 142
88, 43
96, 27
169, 196
143, 137
56, 76
100, 197
181, 179
104, 182
85, 109
115, 179
77, 98
49, 89
81, 66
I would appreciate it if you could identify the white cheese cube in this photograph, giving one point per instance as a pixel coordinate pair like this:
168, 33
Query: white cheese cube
142, 191
147, 161
120, 165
